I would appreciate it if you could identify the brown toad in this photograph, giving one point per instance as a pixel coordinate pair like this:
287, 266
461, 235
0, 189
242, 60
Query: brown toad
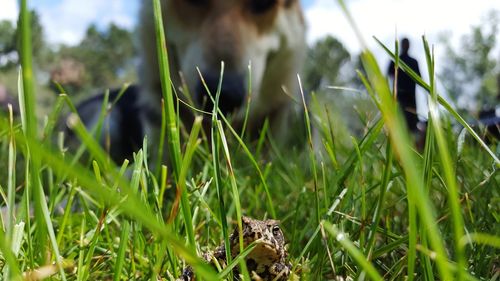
267, 261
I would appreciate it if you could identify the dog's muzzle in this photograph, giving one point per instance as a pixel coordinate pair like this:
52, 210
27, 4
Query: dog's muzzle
232, 94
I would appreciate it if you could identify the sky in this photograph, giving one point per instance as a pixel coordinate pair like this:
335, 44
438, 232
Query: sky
65, 21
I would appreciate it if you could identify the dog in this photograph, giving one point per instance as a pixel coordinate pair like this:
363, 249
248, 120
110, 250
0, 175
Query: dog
268, 34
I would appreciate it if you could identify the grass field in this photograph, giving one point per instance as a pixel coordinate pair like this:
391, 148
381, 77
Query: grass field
367, 207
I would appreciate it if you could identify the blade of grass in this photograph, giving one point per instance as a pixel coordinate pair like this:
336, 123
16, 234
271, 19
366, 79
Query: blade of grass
159, 159
312, 152
94, 148
447, 166
249, 100
480, 238
428, 172
239, 259
451, 266
386, 176
367, 141
362, 237
88, 141
245, 149
443, 103
28, 110
235, 195
66, 216
169, 109
11, 180
215, 141
125, 199
92, 244
171, 121
13, 272
81, 255
53, 119
191, 146
17, 238
104, 122
399, 136
353, 251
412, 216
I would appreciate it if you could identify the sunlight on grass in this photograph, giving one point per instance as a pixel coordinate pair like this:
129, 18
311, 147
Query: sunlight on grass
366, 206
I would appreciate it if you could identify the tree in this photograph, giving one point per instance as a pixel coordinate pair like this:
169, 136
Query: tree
7, 44
7, 31
324, 62
37, 36
104, 54
10, 42
470, 73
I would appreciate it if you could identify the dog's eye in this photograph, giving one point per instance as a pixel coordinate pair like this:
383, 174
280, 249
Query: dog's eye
261, 6
197, 2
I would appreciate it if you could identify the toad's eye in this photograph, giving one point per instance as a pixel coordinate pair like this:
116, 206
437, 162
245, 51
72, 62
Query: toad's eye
261, 6
276, 230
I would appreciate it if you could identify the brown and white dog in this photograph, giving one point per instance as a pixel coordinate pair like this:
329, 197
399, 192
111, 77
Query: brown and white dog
268, 34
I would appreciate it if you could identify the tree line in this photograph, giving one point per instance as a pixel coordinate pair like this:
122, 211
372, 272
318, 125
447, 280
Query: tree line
106, 57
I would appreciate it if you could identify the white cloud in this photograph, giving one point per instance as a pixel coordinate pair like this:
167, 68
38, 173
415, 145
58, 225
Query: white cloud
9, 10
382, 18
409, 18
67, 21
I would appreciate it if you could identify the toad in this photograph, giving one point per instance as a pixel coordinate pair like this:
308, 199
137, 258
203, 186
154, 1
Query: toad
267, 261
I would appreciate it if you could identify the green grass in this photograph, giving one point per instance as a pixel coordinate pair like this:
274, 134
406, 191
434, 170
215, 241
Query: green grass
369, 207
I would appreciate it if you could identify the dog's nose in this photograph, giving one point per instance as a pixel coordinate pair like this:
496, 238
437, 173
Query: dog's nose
232, 94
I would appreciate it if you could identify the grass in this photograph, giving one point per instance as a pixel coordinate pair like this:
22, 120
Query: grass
367, 207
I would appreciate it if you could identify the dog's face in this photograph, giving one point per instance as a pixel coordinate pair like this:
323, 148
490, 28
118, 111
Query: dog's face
269, 34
